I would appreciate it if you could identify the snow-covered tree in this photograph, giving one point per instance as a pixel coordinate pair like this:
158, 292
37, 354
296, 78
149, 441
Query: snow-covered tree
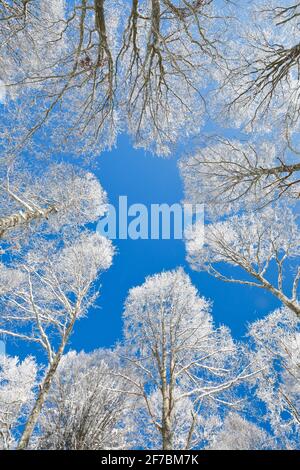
257, 91
166, 51
236, 433
252, 243
84, 409
259, 82
230, 176
53, 196
181, 368
17, 381
53, 288
73, 76
93, 68
276, 340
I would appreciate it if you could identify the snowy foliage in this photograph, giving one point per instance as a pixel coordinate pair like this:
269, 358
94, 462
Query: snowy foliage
54, 288
82, 410
51, 198
96, 68
239, 434
76, 74
17, 380
276, 341
254, 242
230, 176
259, 83
180, 363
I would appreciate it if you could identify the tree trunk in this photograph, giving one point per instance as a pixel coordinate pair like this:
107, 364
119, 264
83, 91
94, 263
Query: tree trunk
292, 305
166, 429
24, 217
30, 425
45, 387
167, 435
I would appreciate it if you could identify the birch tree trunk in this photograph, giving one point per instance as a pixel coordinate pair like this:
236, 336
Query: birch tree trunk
24, 217
44, 390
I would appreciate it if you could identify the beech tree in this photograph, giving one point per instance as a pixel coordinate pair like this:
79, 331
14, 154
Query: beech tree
276, 341
230, 176
107, 66
84, 409
253, 243
256, 91
258, 79
165, 54
182, 369
52, 290
17, 381
258, 83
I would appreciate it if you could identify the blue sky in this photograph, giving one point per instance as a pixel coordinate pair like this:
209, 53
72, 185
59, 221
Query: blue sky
148, 179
